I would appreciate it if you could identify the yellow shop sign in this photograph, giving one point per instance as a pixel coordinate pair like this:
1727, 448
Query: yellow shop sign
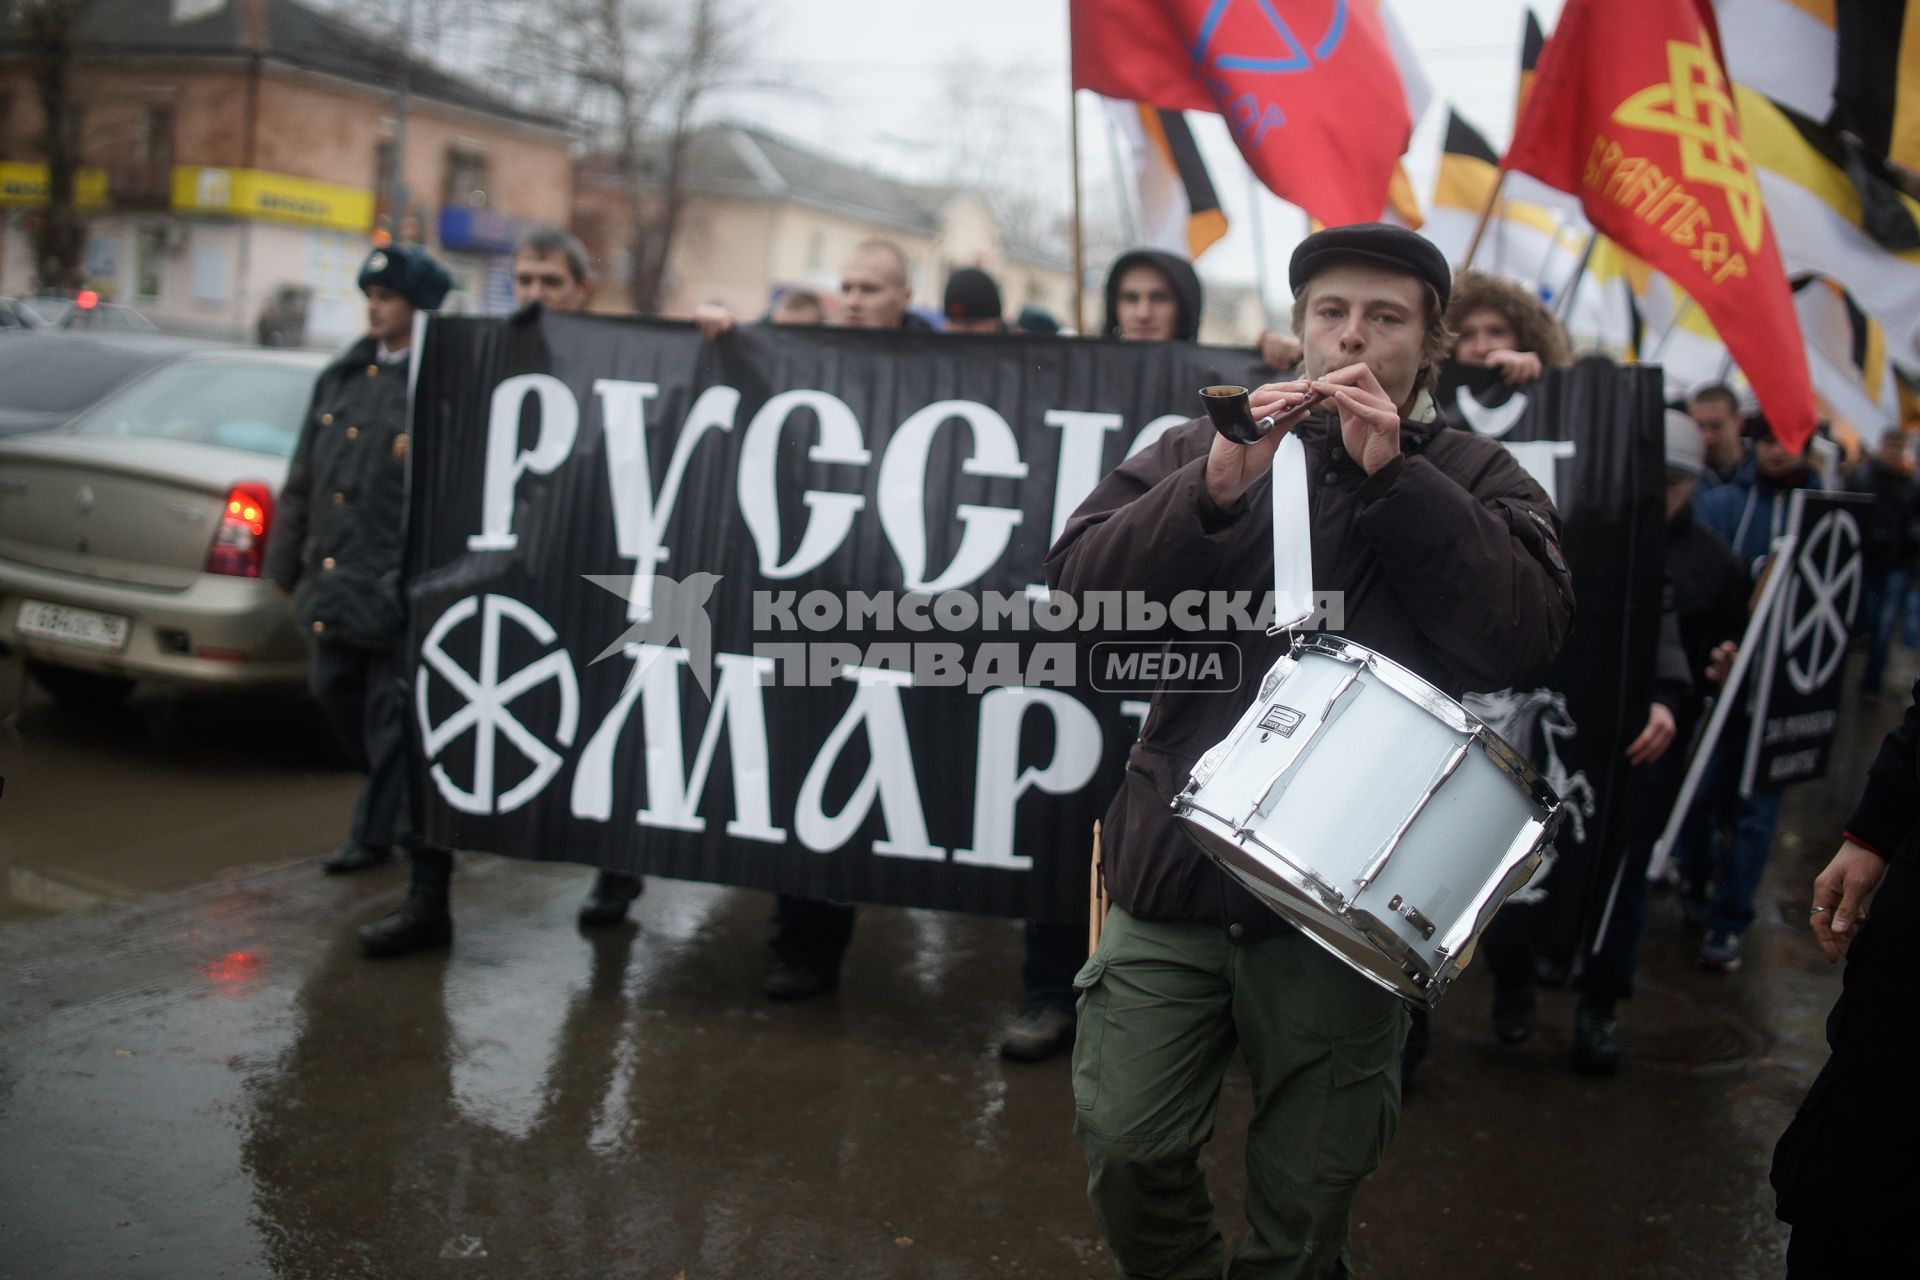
24, 183
256, 193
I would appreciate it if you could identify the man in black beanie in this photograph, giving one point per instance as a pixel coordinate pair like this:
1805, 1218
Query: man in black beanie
972, 303
337, 544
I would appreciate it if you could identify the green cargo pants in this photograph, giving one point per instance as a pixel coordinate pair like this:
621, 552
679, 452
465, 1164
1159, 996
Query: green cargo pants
1162, 1008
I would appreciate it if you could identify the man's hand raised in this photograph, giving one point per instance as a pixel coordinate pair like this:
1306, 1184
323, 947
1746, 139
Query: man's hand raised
1517, 368
714, 320
1232, 468
1369, 420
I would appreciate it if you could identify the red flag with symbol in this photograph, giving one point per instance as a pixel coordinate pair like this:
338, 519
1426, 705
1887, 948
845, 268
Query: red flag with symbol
1631, 110
1309, 88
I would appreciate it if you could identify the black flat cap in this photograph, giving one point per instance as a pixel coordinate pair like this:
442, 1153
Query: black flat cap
1377, 242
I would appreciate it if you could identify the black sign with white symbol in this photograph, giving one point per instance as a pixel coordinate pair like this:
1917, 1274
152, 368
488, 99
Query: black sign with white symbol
1798, 684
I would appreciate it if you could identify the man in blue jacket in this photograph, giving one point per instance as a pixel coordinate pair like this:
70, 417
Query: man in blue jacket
1749, 511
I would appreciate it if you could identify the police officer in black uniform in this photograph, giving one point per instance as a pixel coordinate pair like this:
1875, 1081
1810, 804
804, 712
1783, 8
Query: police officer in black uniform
337, 545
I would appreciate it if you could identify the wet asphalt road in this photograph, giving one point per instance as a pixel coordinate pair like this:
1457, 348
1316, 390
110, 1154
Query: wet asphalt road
200, 1077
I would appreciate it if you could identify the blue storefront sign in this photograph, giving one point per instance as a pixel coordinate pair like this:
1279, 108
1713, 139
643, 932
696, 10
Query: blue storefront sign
468, 230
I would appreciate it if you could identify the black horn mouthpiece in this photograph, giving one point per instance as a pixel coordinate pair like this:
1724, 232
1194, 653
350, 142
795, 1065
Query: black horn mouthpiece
1227, 409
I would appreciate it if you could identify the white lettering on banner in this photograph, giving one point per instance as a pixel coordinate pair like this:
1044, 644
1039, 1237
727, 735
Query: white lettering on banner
999, 782
507, 462
1807, 724
1082, 442
1794, 765
1151, 433
1541, 459
639, 517
673, 793
876, 709
1493, 421
831, 514
1538, 458
903, 493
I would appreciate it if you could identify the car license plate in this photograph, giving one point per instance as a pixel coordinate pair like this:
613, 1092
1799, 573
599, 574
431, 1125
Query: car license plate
82, 627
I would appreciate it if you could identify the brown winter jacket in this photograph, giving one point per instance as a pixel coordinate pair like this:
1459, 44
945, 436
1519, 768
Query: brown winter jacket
1448, 561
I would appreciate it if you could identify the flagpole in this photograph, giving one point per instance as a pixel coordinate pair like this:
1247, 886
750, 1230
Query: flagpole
1121, 195
1546, 256
1486, 215
1563, 305
1259, 246
1079, 241
1673, 327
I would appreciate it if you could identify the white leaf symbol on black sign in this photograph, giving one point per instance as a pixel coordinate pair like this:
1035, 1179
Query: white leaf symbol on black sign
1827, 567
489, 698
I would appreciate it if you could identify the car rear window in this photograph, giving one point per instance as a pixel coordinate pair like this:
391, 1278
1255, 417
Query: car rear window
46, 375
239, 404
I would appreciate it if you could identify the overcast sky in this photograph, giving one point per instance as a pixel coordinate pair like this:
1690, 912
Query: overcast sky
873, 81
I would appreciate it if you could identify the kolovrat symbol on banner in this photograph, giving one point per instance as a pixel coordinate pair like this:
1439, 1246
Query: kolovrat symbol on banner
489, 700
1827, 567
1696, 108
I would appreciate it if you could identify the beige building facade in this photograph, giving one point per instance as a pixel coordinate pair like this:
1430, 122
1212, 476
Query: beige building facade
236, 167
768, 215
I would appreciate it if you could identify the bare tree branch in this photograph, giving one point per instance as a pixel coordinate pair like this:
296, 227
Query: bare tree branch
50, 30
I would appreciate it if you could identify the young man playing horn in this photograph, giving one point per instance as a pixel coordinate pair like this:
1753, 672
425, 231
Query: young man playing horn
1445, 556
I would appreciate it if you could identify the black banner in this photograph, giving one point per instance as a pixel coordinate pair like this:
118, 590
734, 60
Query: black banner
702, 609
1592, 435
1797, 686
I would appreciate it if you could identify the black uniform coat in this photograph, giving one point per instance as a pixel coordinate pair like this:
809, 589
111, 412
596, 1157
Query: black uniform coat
1448, 561
1710, 595
337, 537
1847, 1161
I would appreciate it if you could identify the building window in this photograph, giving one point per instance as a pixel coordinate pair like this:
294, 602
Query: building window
466, 178
149, 260
383, 192
156, 139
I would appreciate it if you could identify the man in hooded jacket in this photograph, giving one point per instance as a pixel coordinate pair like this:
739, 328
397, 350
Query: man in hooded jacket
1151, 297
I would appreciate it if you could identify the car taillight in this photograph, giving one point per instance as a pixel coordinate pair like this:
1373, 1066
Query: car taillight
240, 543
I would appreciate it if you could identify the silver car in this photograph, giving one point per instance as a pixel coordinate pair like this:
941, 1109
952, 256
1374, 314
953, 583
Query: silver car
132, 539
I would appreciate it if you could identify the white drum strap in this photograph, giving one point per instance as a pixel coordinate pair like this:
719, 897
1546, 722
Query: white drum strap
1292, 538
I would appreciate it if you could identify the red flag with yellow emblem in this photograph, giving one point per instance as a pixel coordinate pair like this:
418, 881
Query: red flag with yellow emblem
1631, 110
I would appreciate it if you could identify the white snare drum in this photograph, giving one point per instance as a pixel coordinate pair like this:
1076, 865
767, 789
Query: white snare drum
1373, 812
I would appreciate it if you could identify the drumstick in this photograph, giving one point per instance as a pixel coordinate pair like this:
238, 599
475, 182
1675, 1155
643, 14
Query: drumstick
1096, 895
